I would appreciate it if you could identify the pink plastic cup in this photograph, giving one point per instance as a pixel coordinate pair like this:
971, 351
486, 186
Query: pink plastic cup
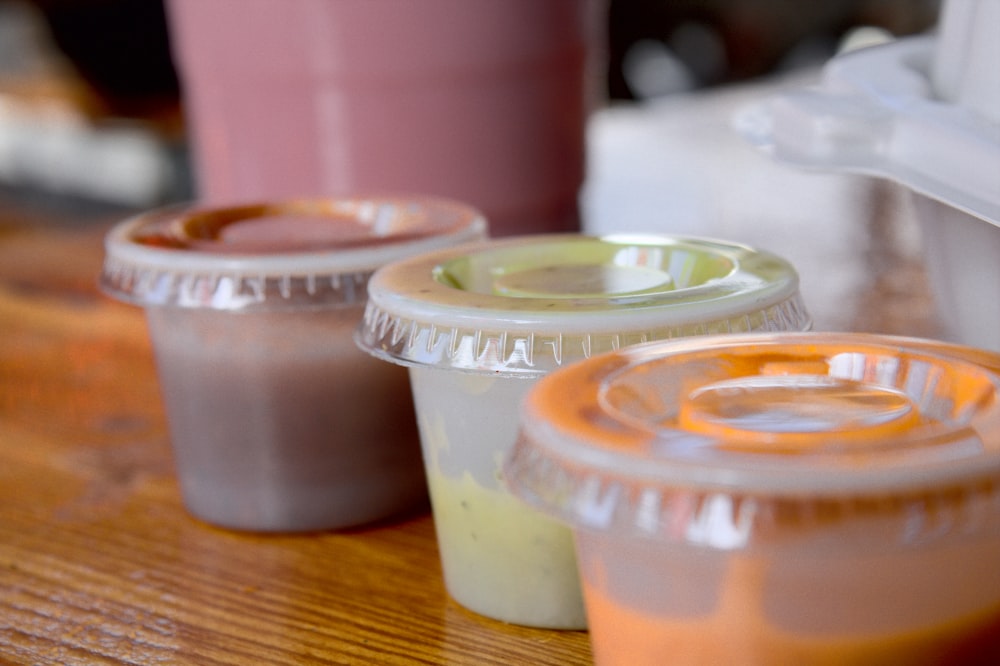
482, 101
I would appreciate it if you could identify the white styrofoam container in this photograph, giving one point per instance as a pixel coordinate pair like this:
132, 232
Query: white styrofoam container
923, 112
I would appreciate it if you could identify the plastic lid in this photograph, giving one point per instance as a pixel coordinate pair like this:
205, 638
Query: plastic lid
631, 438
274, 256
526, 305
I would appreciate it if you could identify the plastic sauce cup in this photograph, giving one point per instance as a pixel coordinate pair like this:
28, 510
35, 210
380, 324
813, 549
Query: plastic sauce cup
477, 325
776, 499
278, 422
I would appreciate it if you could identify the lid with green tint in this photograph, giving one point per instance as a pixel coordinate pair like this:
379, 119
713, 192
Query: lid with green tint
527, 305
759, 426
293, 254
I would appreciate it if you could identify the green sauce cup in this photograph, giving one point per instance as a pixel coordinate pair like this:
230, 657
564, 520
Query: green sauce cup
479, 323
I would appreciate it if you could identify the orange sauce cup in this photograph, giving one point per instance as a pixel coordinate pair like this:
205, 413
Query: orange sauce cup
792, 498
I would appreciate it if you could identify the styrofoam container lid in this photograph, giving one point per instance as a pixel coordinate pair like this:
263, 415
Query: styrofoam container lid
273, 256
526, 305
630, 438
879, 111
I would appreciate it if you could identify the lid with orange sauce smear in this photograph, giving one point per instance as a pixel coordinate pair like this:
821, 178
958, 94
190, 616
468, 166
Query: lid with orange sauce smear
611, 442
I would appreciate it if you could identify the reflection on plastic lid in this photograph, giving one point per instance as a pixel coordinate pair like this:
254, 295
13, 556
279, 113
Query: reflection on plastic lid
527, 305
289, 254
787, 416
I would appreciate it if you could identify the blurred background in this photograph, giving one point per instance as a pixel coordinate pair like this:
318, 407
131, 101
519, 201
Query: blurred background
91, 109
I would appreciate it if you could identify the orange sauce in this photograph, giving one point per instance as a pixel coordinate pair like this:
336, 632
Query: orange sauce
738, 633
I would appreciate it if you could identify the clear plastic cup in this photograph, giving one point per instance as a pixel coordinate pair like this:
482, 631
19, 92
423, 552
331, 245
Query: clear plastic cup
278, 422
478, 324
800, 498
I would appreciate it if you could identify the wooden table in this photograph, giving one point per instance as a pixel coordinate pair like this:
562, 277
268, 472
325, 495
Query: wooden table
100, 563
